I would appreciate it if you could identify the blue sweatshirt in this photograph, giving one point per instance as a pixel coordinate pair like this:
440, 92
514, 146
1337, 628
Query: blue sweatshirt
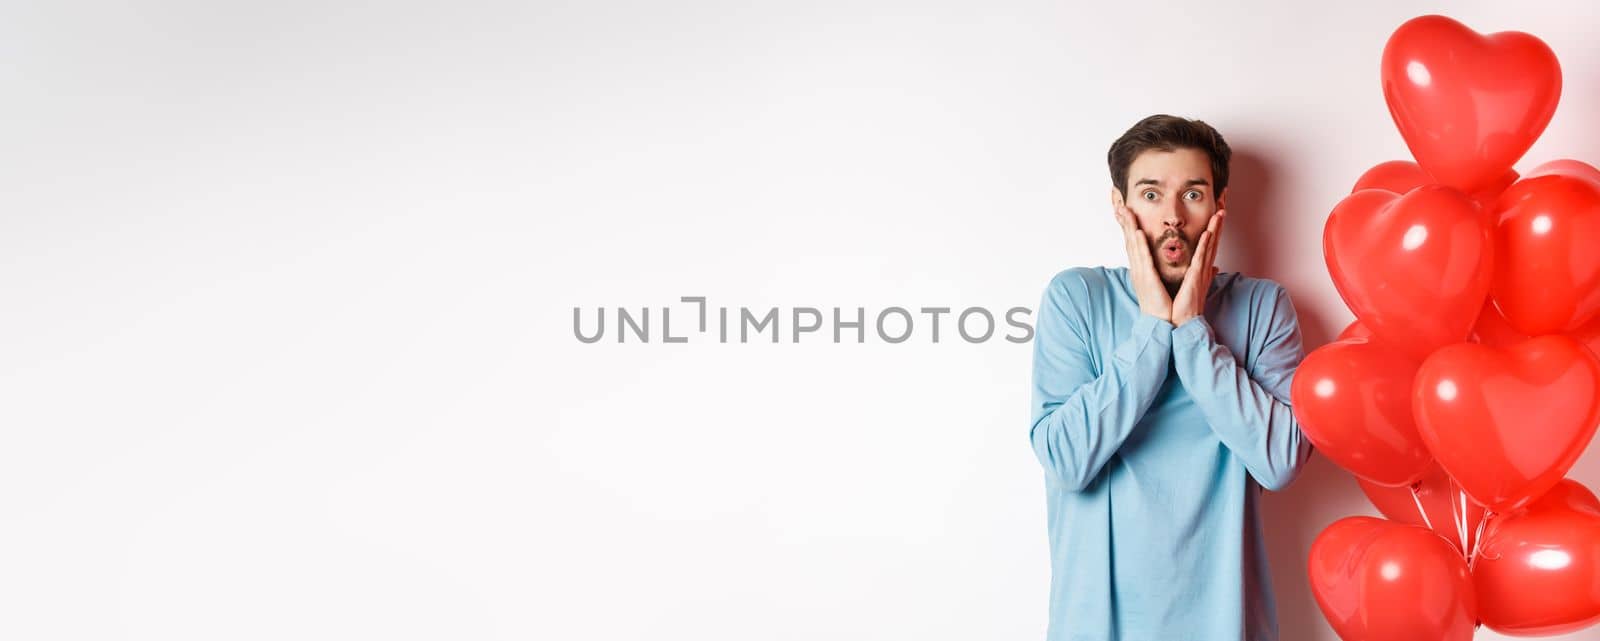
1156, 442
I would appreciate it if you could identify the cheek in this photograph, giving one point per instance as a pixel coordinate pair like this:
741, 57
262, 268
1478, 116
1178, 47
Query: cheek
1149, 219
1199, 214
1152, 227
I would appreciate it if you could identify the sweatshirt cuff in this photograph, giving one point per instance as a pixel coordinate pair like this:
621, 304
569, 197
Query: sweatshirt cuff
1147, 331
1193, 330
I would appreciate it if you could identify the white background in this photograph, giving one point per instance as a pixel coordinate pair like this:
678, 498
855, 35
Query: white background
288, 295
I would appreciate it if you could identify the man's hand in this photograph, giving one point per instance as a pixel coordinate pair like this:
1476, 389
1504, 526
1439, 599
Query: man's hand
1191, 299
1147, 285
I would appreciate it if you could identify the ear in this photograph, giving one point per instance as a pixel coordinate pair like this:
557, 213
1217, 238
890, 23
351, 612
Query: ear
1116, 198
1222, 199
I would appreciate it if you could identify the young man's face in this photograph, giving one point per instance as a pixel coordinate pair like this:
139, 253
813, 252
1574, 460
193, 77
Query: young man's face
1172, 196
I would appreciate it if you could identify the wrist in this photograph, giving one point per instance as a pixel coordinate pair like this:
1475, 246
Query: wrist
1155, 318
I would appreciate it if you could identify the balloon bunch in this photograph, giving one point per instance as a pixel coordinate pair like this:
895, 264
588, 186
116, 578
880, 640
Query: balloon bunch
1469, 384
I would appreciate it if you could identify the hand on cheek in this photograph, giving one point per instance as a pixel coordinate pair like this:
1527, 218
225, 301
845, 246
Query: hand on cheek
1147, 283
1191, 298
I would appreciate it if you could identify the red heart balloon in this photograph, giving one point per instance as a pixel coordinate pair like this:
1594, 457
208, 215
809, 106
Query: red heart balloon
1567, 167
1415, 268
1352, 398
1468, 105
1354, 330
1398, 176
1548, 278
1507, 423
1378, 580
1538, 572
1495, 331
1441, 503
1402, 176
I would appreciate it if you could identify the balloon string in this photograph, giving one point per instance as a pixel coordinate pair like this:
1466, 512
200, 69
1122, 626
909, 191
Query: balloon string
1458, 516
1418, 500
1477, 544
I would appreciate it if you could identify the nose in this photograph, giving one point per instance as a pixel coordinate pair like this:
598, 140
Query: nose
1172, 218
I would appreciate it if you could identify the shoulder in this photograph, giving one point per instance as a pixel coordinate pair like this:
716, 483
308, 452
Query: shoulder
1260, 291
1079, 287
1083, 280
1269, 304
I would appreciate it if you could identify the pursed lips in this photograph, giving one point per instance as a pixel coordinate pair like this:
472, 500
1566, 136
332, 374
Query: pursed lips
1173, 248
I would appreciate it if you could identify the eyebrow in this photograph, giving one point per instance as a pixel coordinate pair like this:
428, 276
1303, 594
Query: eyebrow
1192, 182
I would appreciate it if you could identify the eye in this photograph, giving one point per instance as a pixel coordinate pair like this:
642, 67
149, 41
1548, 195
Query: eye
1149, 194
1193, 194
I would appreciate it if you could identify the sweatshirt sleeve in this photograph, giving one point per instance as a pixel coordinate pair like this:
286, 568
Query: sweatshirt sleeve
1080, 418
1249, 409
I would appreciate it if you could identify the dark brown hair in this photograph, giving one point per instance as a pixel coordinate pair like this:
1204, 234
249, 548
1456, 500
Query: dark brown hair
1168, 133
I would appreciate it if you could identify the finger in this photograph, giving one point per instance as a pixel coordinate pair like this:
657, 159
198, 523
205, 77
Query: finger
1202, 250
1127, 233
1211, 233
1127, 222
1197, 263
1127, 214
1215, 241
1187, 284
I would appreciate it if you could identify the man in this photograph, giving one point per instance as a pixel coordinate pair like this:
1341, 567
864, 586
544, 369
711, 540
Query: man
1160, 410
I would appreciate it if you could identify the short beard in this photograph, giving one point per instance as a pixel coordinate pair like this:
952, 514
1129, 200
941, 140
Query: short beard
1174, 284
